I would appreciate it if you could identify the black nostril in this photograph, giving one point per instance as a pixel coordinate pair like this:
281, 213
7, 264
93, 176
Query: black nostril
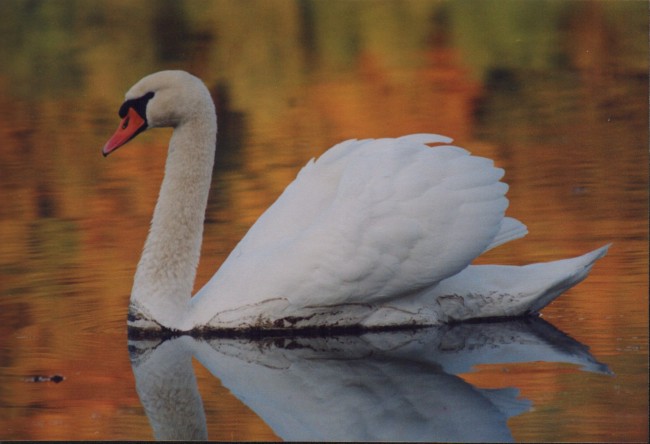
126, 123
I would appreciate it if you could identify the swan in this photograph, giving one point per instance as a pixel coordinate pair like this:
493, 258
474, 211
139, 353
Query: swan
374, 233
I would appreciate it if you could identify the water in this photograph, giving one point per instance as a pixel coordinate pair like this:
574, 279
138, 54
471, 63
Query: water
555, 92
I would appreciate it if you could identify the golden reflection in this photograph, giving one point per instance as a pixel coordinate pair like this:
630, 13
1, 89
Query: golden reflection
559, 101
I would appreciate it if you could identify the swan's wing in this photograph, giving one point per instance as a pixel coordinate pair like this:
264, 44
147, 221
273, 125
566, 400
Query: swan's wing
314, 190
510, 229
369, 220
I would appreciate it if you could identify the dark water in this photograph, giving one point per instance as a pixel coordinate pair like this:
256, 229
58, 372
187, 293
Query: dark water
555, 91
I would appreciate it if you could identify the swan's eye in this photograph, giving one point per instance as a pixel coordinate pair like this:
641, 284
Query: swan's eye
126, 122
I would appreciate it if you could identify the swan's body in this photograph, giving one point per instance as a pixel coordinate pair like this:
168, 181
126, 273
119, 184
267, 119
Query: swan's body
375, 233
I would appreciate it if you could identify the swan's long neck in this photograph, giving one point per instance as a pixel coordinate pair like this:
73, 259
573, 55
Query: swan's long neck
165, 276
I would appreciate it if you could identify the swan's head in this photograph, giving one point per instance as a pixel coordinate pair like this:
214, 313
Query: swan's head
162, 99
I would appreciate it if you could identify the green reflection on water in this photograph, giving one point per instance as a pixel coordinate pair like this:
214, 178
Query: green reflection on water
554, 80
46, 45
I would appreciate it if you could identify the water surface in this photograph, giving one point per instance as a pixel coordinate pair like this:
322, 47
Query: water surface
555, 92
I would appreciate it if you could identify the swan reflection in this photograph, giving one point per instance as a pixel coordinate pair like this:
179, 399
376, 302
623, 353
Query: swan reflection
398, 386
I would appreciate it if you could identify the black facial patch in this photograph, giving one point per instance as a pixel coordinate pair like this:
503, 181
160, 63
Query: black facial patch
139, 105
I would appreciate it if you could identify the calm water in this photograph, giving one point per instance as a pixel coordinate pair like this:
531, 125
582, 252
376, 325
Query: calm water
556, 92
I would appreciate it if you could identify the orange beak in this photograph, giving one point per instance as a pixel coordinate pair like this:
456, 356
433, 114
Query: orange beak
132, 125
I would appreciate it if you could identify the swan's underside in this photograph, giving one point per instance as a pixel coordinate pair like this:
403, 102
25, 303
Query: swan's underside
139, 328
483, 292
291, 326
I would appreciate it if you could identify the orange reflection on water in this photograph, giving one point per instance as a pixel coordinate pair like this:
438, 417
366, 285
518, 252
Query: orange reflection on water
572, 138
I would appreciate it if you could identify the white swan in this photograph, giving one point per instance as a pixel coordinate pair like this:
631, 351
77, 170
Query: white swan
375, 233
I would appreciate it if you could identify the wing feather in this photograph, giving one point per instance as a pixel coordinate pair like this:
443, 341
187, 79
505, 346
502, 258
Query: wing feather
368, 221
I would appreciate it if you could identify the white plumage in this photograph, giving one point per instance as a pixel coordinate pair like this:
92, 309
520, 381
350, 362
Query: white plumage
374, 233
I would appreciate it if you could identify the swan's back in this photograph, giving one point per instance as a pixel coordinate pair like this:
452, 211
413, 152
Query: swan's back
367, 222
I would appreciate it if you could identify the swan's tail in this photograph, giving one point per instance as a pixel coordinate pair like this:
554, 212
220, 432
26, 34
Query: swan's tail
484, 291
